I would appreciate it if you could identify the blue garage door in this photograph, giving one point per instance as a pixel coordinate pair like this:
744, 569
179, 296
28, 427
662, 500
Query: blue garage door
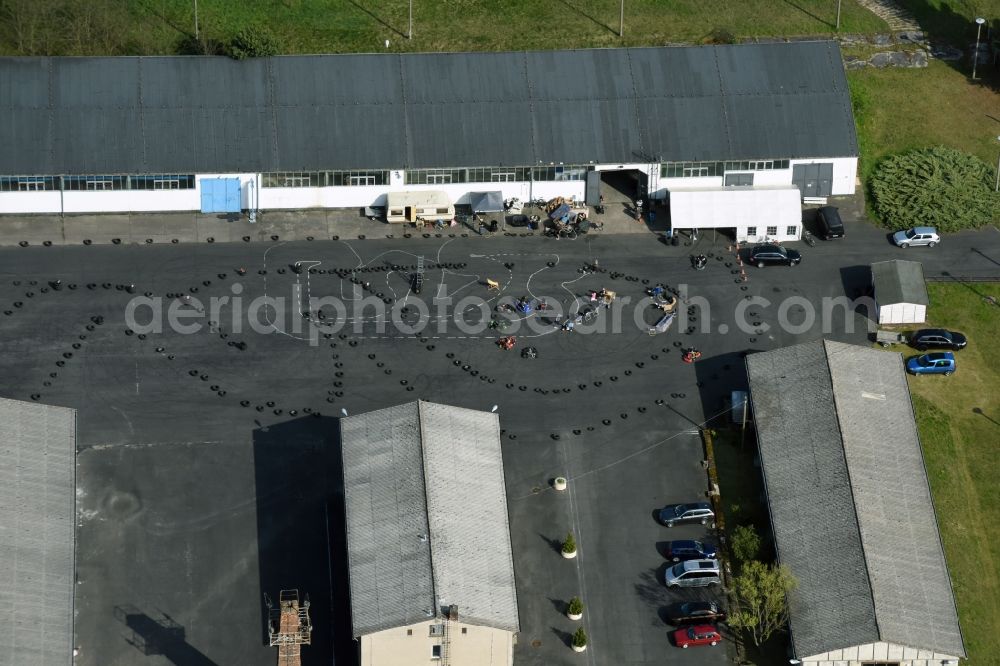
220, 195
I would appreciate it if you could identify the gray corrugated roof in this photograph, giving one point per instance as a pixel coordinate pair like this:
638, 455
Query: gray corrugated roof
467, 511
909, 575
37, 521
216, 115
850, 504
899, 281
386, 509
407, 472
809, 493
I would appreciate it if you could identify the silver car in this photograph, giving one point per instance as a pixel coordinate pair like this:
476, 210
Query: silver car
916, 236
693, 573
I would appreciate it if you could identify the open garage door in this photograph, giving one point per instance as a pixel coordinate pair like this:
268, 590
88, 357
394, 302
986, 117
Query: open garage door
592, 196
220, 195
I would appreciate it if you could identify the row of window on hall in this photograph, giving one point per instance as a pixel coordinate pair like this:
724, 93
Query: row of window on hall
704, 169
377, 177
96, 183
423, 176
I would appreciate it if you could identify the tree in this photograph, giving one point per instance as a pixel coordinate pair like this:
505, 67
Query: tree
936, 187
745, 543
67, 27
569, 545
575, 606
580, 638
252, 42
762, 596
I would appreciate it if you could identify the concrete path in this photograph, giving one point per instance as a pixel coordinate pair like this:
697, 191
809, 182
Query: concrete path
190, 227
896, 16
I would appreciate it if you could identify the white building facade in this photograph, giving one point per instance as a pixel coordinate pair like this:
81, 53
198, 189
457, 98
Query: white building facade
278, 190
880, 654
297, 190
150, 134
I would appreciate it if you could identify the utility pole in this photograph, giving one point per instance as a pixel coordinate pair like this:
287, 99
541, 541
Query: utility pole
997, 189
838, 14
409, 33
196, 19
743, 425
621, 20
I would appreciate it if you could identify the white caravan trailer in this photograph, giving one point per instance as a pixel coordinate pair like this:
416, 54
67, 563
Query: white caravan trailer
428, 205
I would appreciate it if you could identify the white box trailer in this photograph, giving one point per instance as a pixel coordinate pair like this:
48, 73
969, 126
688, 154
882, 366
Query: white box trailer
411, 206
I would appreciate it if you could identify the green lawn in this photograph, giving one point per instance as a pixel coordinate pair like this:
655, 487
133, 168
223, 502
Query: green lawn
959, 422
952, 20
900, 109
333, 26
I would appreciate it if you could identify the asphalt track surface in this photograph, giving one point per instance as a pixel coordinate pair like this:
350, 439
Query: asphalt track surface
208, 473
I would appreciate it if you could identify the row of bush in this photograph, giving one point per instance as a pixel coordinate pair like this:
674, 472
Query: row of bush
935, 187
250, 42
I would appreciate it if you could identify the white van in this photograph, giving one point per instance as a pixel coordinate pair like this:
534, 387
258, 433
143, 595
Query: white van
427, 205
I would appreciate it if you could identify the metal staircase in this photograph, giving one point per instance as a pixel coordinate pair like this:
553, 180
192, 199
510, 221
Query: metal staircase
446, 643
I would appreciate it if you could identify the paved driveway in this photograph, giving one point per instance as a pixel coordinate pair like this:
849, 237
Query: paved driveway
204, 486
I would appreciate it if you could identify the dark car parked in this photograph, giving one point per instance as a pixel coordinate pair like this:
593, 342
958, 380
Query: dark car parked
762, 255
937, 338
695, 612
688, 549
697, 512
830, 224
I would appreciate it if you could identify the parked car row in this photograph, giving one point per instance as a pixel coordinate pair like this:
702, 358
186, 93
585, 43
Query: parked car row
938, 363
694, 565
831, 227
935, 363
695, 512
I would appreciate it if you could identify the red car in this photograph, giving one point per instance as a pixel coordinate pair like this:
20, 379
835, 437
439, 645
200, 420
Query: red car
700, 634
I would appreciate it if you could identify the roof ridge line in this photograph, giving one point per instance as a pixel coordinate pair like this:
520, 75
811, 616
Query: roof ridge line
638, 120
723, 96
405, 103
427, 513
272, 97
531, 108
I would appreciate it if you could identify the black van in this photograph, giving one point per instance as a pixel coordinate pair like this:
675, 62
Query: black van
829, 222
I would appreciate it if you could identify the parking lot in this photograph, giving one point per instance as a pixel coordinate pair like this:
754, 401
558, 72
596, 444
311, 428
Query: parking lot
205, 481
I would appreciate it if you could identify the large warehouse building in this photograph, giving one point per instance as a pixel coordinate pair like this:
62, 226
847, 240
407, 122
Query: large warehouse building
428, 540
134, 134
851, 510
37, 520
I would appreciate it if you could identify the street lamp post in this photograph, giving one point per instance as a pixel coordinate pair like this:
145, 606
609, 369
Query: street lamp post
975, 54
621, 19
997, 188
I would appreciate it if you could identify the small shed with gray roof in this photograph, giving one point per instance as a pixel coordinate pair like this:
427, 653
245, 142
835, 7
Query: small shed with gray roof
851, 508
428, 542
900, 292
37, 520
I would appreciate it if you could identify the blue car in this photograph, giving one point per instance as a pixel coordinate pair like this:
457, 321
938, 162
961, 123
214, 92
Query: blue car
938, 363
690, 550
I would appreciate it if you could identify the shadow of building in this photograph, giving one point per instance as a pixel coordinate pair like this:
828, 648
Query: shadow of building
301, 534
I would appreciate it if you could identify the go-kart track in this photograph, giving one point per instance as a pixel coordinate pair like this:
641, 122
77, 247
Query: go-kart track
208, 471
